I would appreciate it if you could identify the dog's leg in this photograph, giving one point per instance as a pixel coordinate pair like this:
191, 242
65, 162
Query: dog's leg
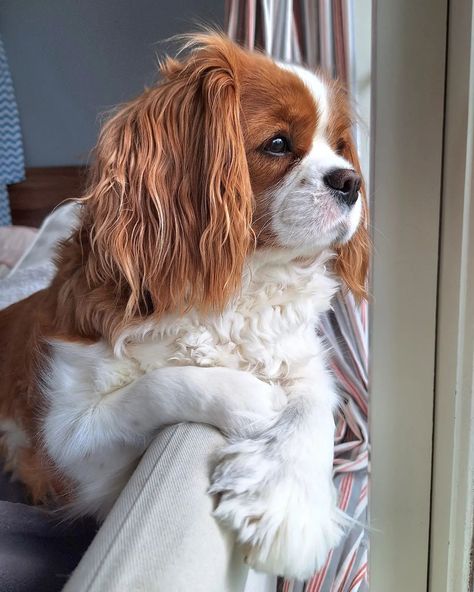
276, 488
95, 439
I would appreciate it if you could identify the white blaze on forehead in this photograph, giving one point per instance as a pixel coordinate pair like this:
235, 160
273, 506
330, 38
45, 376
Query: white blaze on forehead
320, 151
325, 156
319, 91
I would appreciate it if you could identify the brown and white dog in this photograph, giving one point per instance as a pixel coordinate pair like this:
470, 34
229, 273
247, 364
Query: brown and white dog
223, 204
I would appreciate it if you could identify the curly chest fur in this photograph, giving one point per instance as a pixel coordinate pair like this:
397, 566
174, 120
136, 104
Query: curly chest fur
269, 329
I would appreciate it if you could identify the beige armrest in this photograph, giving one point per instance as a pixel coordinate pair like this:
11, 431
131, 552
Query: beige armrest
160, 535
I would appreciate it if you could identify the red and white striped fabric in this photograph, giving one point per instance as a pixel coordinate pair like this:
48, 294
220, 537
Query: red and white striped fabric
319, 32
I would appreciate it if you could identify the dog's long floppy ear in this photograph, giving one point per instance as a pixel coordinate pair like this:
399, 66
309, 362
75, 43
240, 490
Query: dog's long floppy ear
352, 262
170, 203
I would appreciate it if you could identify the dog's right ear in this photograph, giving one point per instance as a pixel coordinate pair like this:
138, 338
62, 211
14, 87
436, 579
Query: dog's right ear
170, 202
353, 258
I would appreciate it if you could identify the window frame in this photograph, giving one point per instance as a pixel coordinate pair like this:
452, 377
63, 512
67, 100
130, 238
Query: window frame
422, 314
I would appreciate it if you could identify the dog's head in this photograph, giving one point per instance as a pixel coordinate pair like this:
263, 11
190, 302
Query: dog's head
231, 152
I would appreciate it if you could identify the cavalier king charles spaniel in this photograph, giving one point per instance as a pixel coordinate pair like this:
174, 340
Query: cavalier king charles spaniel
224, 209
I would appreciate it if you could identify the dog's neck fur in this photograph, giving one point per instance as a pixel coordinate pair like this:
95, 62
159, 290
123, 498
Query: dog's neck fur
300, 287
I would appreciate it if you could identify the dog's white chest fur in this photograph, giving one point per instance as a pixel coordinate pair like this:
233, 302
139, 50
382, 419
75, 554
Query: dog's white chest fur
269, 329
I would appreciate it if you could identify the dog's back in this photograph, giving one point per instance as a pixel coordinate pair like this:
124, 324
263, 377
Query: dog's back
22, 328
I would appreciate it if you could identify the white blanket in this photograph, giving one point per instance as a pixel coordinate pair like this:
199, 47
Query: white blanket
35, 269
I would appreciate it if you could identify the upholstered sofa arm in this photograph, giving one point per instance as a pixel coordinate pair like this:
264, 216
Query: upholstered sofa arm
160, 535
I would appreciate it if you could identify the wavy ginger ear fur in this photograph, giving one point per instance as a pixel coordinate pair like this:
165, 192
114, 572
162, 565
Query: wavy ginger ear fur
352, 258
170, 202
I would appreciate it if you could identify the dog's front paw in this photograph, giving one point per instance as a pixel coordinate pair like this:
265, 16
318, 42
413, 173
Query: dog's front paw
283, 511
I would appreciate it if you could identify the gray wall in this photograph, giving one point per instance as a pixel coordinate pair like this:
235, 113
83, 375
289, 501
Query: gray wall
73, 59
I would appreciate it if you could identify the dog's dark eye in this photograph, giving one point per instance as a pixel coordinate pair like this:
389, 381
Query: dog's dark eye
277, 146
341, 146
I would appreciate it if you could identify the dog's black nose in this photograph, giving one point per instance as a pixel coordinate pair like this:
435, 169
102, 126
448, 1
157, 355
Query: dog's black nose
345, 183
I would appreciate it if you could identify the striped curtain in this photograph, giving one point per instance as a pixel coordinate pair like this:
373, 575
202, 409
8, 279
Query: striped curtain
319, 33
11, 148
